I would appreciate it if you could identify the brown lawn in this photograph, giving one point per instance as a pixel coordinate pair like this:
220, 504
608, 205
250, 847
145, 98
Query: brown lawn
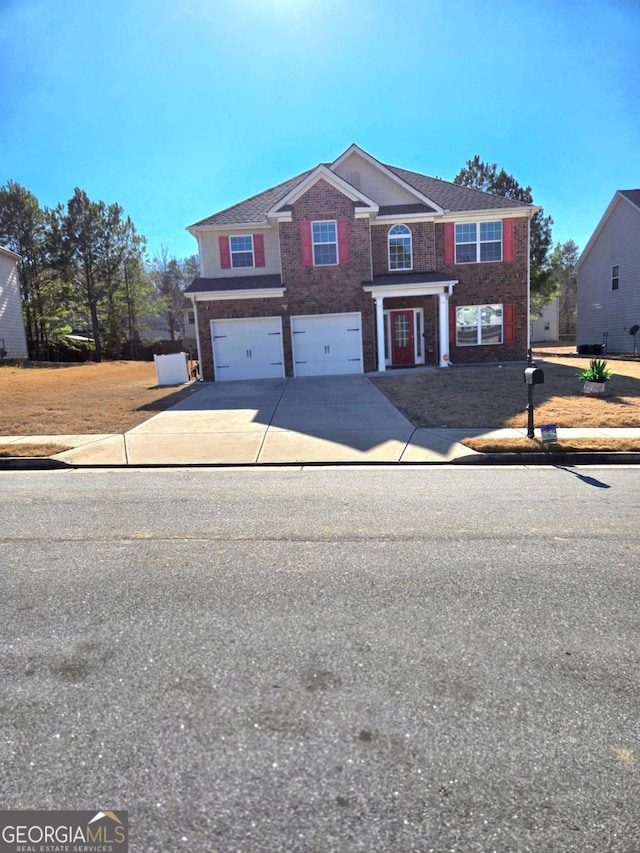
112, 396
492, 396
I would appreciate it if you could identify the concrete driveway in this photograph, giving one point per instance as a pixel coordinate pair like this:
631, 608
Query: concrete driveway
324, 419
274, 421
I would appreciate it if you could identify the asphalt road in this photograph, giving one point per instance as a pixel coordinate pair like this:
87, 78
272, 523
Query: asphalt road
326, 660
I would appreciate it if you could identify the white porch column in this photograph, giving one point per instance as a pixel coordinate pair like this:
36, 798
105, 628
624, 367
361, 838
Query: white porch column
380, 332
443, 328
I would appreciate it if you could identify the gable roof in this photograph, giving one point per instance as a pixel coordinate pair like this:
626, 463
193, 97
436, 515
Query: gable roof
313, 177
9, 254
631, 197
433, 196
253, 209
454, 198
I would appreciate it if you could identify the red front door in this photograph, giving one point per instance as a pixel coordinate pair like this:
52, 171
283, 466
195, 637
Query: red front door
402, 342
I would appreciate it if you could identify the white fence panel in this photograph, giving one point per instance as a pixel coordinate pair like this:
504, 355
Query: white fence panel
172, 369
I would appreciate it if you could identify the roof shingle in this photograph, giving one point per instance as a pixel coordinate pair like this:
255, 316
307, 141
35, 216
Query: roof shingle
448, 196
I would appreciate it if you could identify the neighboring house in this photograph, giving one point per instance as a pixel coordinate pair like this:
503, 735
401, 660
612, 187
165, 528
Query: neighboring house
547, 326
356, 266
13, 341
609, 277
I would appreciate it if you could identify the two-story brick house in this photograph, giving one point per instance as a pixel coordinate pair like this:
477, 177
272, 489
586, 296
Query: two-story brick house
355, 266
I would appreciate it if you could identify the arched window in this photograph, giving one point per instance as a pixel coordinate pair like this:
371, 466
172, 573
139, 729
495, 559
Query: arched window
400, 249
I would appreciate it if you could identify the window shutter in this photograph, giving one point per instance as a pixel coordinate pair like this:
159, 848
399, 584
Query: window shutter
449, 243
507, 239
258, 250
509, 323
225, 253
343, 241
452, 325
307, 249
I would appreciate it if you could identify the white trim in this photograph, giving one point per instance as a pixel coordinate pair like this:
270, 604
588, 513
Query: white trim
478, 244
322, 173
238, 252
355, 149
443, 330
254, 293
403, 218
399, 269
240, 227
325, 243
489, 215
391, 290
12, 256
416, 334
197, 325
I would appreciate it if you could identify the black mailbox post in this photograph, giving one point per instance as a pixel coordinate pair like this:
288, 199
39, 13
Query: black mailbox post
532, 376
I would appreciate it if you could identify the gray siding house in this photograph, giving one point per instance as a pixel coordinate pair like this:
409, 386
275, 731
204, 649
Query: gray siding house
609, 277
13, 341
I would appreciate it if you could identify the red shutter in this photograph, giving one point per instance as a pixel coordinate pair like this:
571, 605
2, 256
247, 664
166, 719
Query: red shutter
452, 325
343, 241
507, 239
307, 249
509, 323
258, 250
225, 253
449, 243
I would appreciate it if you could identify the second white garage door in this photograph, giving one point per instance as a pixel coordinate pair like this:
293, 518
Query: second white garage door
325, 344
247, 348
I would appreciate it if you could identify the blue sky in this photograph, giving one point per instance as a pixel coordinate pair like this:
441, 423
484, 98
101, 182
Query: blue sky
178, 108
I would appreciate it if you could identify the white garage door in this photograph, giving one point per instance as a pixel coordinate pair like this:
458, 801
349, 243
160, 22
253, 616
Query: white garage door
327, 343
247, 348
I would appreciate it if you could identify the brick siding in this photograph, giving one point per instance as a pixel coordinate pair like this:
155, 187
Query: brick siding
487, 283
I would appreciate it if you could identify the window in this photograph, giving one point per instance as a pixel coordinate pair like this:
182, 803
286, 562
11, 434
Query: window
241, 251
400, 249
478, 324
615, 277
325, 243
478, 241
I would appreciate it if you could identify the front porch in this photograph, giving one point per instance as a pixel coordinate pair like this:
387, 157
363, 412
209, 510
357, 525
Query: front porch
403, 338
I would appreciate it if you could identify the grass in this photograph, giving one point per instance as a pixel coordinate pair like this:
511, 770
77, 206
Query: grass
113, 397
590, 444
48, 448
83, 399
492, 396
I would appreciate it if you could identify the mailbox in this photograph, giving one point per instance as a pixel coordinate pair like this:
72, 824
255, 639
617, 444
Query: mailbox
534, 376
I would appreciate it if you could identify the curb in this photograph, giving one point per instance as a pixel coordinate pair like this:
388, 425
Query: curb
568, 458
31, 463
45, 463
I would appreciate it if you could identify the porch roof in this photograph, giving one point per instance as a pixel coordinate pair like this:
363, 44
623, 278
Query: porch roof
410, 284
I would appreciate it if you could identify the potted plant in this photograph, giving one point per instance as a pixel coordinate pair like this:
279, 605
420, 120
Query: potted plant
595, 377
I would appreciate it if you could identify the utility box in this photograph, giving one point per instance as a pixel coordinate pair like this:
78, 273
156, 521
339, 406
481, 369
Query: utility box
534, 376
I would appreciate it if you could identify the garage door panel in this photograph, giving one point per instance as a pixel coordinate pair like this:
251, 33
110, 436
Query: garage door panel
327, 344
248, 348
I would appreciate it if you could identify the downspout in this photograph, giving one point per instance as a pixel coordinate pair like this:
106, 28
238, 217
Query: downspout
192, 297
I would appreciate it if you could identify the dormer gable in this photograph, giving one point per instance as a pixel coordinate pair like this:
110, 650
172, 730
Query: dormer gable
390, 191
364, 206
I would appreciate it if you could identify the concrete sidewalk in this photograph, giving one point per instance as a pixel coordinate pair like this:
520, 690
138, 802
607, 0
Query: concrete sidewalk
315, 420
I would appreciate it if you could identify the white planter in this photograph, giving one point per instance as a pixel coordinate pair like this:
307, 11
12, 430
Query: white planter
594, 389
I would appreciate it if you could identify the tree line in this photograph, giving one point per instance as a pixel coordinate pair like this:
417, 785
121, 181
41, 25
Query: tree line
84, 273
